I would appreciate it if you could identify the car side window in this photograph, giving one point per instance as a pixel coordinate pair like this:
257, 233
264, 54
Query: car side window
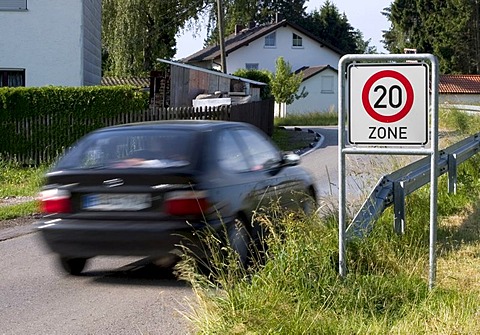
230, 156
261, 154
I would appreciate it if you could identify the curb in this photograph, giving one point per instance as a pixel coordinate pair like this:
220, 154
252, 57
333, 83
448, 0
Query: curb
12, 232
317, 140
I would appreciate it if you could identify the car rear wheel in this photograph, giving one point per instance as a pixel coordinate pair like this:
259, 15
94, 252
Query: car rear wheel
73, 266
239, 239
309, 204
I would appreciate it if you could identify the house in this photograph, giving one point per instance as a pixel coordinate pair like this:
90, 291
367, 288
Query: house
259, 47
459, 89
321, 84
50, 42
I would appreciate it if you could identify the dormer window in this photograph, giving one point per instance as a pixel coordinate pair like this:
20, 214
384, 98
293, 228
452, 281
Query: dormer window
271, 40
297, 41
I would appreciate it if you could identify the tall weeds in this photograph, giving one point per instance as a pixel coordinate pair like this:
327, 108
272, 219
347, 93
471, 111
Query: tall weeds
297, 290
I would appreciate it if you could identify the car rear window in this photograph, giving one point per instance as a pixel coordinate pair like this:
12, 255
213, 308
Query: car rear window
130, 149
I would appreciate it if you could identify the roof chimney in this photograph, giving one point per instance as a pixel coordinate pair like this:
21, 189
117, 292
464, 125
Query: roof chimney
278, 17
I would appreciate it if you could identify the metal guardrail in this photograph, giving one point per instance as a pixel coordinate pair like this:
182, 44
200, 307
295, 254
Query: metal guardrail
465, 108
391, 189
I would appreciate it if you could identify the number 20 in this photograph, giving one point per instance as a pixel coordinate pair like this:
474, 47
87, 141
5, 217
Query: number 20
380, 104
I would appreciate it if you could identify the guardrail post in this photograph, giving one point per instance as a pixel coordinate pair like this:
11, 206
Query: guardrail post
452, 173
399, 206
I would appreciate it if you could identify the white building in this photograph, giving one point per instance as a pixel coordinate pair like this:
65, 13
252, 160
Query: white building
50, 42
321, 83
259, 47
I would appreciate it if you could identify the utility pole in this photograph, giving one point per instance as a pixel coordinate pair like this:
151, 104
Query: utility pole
221, 36
477, 37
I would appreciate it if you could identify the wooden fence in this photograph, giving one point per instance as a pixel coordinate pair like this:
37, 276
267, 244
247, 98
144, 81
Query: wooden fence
40, 139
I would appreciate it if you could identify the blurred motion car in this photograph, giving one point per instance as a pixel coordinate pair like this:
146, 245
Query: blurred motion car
143, 189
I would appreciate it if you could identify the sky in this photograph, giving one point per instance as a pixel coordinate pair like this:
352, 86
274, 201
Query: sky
363, 15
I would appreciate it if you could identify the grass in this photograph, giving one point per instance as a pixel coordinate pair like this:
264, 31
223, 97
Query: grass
298, 291
19, 181
309, 119
18, 210
289, 140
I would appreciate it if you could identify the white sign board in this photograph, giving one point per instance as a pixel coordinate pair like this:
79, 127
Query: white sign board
388, 104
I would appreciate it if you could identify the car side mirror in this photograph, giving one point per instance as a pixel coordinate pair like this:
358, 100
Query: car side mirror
290, 159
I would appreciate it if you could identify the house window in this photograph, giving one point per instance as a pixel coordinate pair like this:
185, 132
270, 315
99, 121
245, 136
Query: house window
297, 41
13, 4
327, 84
12, 78
270, 40
251, 66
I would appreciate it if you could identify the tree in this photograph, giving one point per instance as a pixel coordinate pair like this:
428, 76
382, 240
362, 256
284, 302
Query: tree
137, 32
446, 28
247, 12
327, 23
262, 76
334, 28
284, 84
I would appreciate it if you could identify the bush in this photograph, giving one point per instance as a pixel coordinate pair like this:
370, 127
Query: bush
54, 117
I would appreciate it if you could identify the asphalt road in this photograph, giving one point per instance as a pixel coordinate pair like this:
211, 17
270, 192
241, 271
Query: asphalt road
115, 295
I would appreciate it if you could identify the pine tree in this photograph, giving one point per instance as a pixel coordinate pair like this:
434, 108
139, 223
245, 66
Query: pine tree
447, 29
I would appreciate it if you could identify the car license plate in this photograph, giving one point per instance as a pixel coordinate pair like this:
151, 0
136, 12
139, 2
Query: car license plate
116, 202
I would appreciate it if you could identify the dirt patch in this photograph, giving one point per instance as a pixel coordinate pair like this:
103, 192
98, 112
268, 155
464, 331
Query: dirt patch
10, 201
20, 221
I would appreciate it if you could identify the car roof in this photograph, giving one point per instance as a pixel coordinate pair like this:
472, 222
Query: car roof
196, 125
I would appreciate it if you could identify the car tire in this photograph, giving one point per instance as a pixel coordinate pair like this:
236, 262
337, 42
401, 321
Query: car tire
310, 203
73, 266
239, 239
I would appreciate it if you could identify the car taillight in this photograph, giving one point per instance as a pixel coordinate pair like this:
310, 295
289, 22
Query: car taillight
55, 201
186, 203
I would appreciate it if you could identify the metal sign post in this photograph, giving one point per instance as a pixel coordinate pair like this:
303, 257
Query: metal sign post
387, 100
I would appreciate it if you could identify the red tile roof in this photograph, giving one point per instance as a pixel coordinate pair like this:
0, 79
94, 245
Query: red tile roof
310, 71
131, 81
459, 84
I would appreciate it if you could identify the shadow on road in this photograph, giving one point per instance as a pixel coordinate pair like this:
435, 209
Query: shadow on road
142, 273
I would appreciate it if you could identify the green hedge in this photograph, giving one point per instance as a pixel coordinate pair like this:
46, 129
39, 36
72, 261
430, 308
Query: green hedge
49, 119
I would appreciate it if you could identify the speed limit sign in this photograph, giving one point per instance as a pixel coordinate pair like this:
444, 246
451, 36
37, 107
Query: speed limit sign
388, 104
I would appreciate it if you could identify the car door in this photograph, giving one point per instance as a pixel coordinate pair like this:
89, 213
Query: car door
276, 185
285, 183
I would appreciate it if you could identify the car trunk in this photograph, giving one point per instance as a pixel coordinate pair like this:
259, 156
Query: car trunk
124, 194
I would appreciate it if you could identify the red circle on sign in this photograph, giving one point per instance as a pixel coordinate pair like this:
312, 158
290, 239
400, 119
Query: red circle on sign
409, 95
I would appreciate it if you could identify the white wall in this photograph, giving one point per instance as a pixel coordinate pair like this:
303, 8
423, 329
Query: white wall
310, 54
319, 98
47, 41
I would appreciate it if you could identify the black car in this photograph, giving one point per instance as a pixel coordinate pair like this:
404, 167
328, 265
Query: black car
141, 189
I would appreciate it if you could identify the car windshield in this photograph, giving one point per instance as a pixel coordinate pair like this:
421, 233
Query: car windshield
130, 149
